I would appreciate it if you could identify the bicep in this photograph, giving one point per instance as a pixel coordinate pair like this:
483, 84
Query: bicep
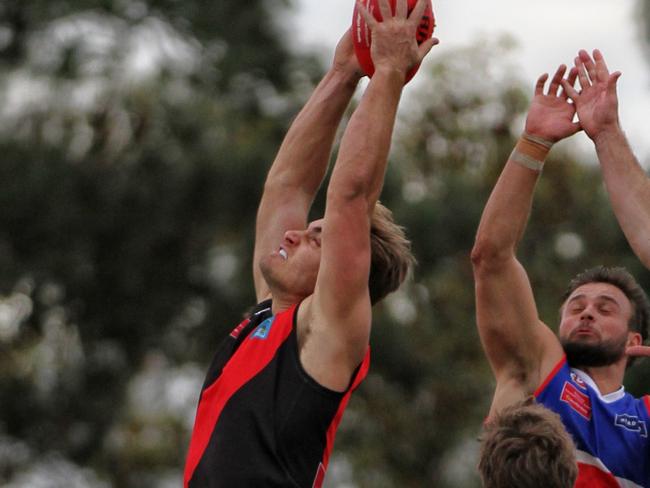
341, 298
517, 344
345, 258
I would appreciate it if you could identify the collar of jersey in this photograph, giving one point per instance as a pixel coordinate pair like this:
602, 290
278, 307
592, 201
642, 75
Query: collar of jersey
610, 397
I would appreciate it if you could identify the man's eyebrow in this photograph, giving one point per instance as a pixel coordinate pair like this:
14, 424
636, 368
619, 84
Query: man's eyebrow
609, 299
574, 298
599, 297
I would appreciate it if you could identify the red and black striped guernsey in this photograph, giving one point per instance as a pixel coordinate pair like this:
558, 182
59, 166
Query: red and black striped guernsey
262, 421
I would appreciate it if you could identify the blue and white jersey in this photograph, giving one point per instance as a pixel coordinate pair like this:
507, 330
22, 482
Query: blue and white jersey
610, 431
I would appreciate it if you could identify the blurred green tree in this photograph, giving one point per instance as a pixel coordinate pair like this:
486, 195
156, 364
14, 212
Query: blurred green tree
135, 137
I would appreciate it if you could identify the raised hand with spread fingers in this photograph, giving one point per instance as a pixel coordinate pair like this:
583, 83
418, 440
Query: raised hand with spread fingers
627, 184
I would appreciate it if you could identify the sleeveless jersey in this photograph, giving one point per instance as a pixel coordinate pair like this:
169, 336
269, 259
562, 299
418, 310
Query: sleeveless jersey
610, 431
262, 421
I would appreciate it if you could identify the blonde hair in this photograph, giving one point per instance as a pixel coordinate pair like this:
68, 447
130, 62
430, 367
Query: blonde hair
391, 256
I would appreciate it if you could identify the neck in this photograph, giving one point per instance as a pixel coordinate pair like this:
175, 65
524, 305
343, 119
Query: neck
284, 301
607, 378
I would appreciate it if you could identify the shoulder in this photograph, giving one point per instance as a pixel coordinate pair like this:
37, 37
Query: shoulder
559, 370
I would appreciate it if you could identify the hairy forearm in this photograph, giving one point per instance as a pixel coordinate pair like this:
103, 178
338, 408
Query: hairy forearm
629, 189
363, 155
301, 162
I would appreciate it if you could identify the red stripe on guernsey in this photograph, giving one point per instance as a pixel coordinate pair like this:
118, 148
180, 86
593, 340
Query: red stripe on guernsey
551, 375
646, 400
320, 476
592, 473
251, 358
331, 431
591, 477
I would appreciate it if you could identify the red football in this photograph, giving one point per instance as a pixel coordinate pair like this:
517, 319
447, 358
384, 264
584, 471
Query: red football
361, 34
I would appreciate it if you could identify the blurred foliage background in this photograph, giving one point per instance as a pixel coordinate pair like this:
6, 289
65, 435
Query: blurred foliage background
135, 137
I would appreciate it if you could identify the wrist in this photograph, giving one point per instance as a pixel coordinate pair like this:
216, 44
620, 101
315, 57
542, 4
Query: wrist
346, 75
531, 151
612, 132
390, 71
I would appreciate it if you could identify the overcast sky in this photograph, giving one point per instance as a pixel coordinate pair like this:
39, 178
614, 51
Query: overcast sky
549, 33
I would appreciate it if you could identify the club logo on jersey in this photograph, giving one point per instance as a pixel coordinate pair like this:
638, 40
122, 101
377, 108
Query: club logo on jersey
577, 400
632, 423
262, 330
578, 381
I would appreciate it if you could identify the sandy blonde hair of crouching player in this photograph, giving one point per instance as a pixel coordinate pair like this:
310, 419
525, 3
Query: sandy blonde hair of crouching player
526, 446
391, 256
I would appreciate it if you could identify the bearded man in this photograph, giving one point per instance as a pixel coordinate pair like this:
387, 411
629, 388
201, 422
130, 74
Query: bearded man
604, 313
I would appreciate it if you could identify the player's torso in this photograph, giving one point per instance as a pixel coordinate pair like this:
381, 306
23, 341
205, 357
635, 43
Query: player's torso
265, 422
610, 431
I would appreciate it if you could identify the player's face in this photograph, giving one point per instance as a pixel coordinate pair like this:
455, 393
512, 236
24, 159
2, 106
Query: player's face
293, 267
594, 327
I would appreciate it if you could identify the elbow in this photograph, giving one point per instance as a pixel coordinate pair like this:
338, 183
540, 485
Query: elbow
349, 191
488, 255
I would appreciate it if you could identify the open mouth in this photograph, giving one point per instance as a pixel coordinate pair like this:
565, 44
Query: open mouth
282, 252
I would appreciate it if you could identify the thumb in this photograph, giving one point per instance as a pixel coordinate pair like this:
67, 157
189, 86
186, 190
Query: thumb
571, 92
611, 83
425, 47
638, 351
576, 127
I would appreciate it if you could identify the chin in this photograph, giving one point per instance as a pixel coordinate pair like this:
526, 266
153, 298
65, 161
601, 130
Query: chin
593, 353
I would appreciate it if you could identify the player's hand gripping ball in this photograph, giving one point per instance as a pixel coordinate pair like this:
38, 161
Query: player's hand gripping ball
361, 35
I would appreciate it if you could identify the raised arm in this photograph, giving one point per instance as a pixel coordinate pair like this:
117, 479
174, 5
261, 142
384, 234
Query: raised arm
627, 184
520, 348
338, 314
301, 163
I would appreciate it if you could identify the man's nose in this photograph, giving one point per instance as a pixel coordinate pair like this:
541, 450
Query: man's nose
587, 313
292, 237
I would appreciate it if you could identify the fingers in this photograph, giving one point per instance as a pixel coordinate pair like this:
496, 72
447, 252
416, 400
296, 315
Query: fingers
418, 11
371, 22
539, 86
384, 9
571, 80
401, 9
612, 81
568, 88
638, 351
557, 80
583, 78
588, 63
602, 73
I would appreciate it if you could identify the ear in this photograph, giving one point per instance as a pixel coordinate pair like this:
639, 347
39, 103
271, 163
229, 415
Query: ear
634, 339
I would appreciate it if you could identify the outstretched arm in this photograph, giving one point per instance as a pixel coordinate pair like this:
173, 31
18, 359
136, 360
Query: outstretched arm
336, 320
301, 163
520, 348
627, 184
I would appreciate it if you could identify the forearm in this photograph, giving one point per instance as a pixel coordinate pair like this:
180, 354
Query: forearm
301, 162
628, 188
363, 155
518, 345
506, 214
